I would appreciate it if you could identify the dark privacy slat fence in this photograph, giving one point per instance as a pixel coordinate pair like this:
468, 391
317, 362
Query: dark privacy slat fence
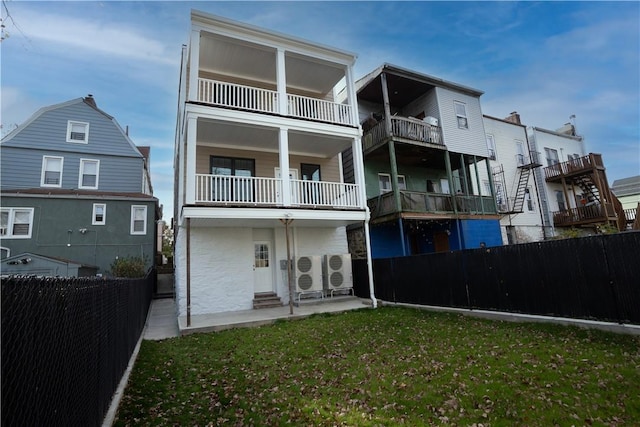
595, 278
66, 343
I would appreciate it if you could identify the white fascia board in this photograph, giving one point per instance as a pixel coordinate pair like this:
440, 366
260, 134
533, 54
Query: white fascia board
271, 121
238, 30
243, 216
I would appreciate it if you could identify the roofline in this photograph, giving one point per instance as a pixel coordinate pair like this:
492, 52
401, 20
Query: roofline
504, 121
37, 114
404, 72
208, 19
552, 132
77, 195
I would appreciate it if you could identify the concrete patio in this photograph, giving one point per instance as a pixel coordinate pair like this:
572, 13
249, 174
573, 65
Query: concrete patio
162, 322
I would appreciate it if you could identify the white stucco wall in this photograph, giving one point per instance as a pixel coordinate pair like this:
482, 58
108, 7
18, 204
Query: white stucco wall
222, 263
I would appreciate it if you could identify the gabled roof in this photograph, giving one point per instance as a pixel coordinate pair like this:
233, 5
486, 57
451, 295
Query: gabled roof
89, 101
626, 186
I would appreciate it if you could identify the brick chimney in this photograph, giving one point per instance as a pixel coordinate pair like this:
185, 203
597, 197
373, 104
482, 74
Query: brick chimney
514, 117
89, 100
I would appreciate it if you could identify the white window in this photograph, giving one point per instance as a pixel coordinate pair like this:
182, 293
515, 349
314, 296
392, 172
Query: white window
461, 114
486, 188
520, 158
528, 199
138, 219
77, 132
16, 223
384, 179
491, 146
89, 171
552, 156
99, 215
51, 171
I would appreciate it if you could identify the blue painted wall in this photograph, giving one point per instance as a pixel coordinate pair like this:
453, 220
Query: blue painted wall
385, 240
475, 231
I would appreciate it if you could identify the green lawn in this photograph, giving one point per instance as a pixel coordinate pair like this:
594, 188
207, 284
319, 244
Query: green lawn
388, 366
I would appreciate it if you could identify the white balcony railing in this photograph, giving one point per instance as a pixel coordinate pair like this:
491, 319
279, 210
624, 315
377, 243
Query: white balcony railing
319, 109
266, 101
318, 193
267, 191
237, 96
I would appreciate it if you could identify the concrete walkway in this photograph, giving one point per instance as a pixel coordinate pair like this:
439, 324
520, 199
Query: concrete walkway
163, 323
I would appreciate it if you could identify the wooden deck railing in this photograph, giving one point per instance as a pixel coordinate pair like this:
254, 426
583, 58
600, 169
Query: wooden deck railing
416, 201
584, 215
573, 166
403, 127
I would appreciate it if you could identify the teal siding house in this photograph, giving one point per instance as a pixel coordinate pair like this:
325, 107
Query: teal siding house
425, 156
74, 187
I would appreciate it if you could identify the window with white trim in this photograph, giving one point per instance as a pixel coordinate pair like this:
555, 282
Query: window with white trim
528, 200
89, 171
491, 146
461, 114
552, 156
138, 219
99, 215
51, 171
77, 132
16, 223
384, 180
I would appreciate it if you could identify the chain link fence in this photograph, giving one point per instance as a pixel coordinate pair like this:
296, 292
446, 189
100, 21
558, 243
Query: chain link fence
66, 343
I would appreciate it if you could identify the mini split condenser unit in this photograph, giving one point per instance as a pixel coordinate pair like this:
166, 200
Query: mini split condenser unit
308, 274
337, 272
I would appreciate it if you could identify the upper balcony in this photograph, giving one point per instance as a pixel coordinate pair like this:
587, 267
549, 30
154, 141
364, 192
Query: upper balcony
241, 67
404, 129
573, 168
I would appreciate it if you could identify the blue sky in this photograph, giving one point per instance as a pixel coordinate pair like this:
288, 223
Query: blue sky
546, 60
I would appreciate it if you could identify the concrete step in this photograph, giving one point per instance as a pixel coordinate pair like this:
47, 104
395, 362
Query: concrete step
266, 300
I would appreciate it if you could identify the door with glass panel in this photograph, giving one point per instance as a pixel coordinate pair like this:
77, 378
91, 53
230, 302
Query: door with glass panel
262, 267
232, 179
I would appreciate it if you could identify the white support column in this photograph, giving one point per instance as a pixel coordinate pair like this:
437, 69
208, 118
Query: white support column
358, 170
194, 63
281, 77
192, 133
351, 96
284, 166
372, 292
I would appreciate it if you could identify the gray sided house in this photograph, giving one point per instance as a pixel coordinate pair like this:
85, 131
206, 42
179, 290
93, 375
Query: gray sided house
75, 187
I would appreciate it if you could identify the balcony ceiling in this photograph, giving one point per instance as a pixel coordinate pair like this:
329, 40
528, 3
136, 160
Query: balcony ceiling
251, 62
256, 138
408, 155
402, 90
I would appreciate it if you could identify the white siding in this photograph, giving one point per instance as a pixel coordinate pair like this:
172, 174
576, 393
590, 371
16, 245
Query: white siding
466, 141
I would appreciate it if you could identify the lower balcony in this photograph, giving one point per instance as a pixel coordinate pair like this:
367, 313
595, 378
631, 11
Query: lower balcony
435, 203
583, 215
268, 192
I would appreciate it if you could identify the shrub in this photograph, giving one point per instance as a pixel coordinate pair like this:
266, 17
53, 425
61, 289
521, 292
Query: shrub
128, 267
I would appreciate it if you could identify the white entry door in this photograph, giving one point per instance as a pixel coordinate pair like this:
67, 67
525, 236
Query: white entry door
262, 267
293, 174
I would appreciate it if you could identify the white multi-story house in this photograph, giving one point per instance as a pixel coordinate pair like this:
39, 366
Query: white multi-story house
546, 182
258, 166
513, 164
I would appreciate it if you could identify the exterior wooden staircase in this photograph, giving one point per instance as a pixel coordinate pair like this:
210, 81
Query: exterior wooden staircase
266, 300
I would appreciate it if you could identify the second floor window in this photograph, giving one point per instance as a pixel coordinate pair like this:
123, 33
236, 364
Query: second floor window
138, 219
51, 171
528, 199
16, 223
491, 146
461, 114
89, 173
552, 156
99, 215
384, 179
77, 132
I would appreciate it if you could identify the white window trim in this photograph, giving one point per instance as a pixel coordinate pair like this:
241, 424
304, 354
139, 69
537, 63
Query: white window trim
402, 183
458, 116
94, 221
133, 210
70, 124
82, 164
491, 147
8, 232
43, 170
